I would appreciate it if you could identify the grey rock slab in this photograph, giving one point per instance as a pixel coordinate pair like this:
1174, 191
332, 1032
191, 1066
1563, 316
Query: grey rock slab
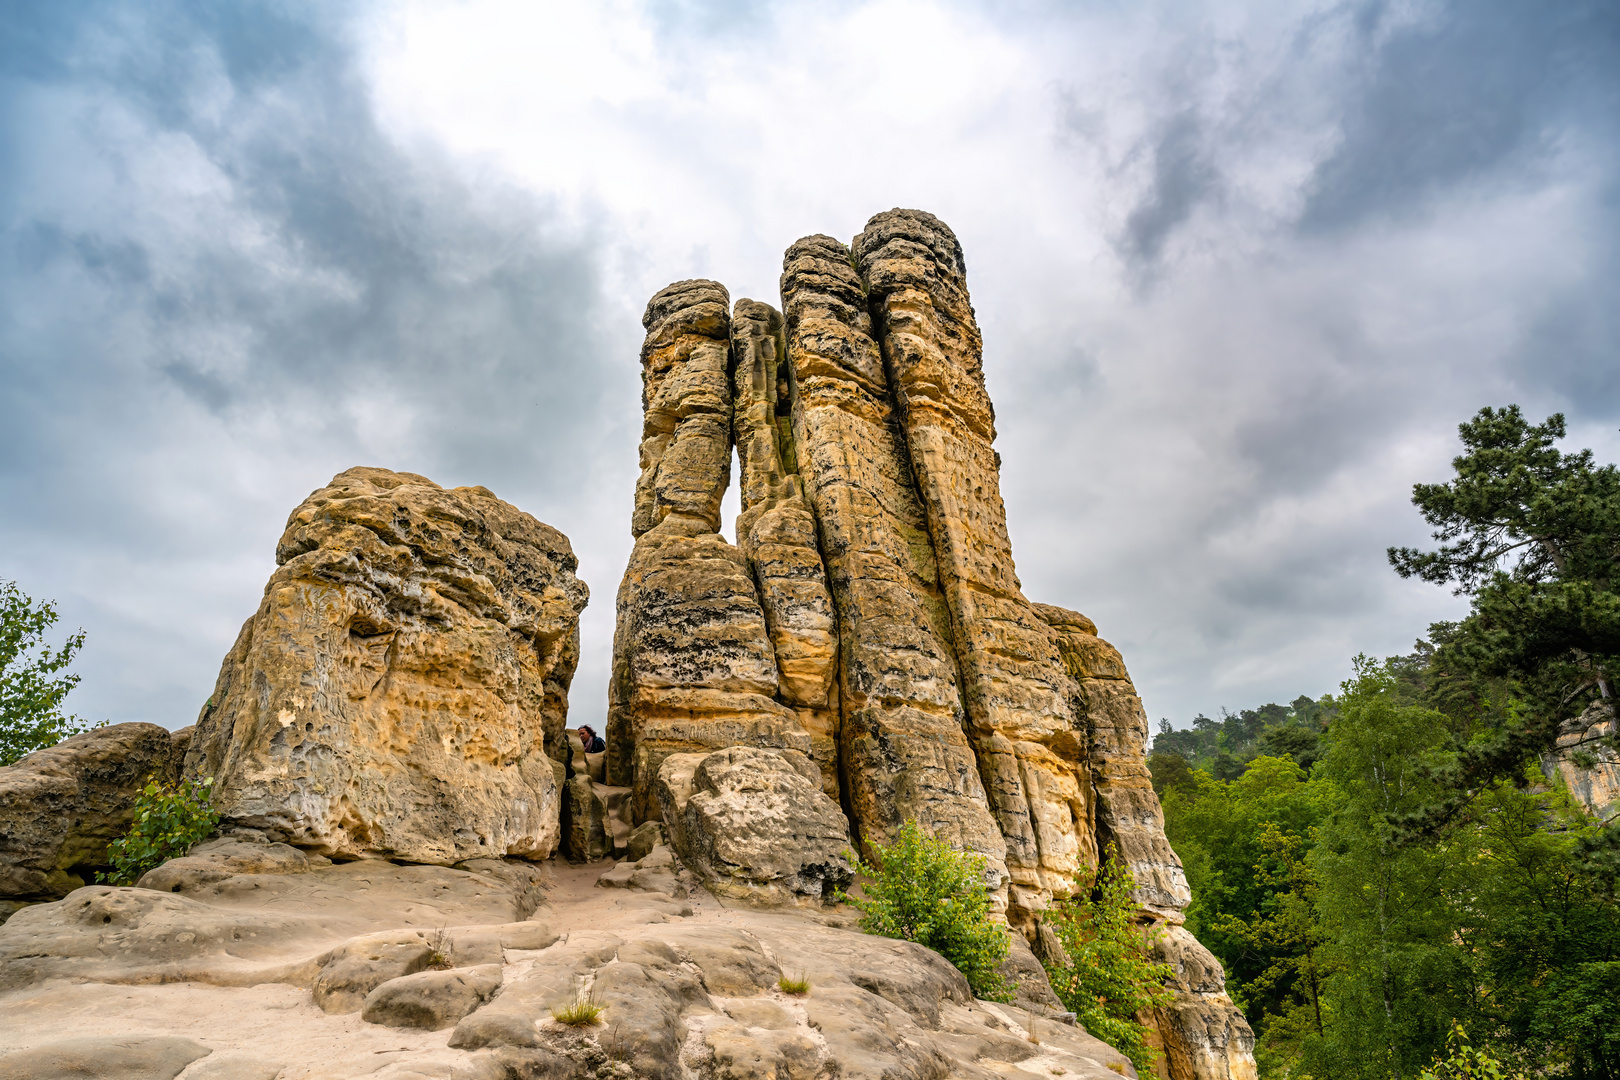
354, 970
150, 1057
431, 999
231, 1066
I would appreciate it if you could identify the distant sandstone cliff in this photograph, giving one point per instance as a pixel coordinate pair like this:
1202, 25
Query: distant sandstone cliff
870, 616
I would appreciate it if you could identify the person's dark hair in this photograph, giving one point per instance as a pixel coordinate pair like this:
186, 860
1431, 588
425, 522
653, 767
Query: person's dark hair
587, 727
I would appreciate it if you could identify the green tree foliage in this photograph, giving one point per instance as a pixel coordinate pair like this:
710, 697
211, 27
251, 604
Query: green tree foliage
1244, 843
925, 891
1223, 748
1463, 1062
1423, 877
169, 820
1387, 909
31, 686
1532, 536
1354, 948
1110, 977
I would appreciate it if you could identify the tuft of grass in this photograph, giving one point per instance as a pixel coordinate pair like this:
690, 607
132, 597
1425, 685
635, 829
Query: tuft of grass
439, 959
797, 987
1117, 1067
581, 1012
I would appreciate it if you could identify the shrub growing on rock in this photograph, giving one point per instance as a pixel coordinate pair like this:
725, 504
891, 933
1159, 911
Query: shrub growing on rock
1110, 976
924, 890
169, 820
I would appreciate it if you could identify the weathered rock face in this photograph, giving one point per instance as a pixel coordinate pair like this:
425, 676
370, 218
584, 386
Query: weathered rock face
694, 667
1589, 769
60, 807
902, 748
754, 825
1202, 1033
404, 677
1014, 686
871, 613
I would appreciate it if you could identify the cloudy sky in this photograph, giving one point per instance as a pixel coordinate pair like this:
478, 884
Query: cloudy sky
1241, 268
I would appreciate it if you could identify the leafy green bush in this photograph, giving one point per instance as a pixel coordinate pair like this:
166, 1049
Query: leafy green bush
1462, 1062
926, 891
169, 819
1110, 976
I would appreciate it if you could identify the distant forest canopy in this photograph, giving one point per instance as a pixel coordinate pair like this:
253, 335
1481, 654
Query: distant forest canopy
1223, 748
1394, 887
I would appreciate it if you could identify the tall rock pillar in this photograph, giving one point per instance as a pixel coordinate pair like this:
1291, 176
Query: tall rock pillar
777, 532
693, 663
902, 748
1015, 688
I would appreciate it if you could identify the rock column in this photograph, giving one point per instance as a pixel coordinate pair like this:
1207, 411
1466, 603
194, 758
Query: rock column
902, 748
777, 532
1014, 685
693, 663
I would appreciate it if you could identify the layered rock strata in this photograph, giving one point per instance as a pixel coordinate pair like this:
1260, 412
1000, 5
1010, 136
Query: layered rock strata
1015, 689
1202, 1033
870, 614
407, 672
694, 666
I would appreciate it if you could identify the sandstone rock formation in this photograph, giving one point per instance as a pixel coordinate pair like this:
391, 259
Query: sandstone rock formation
693, 663
870, 614
1585, 763
400, 687
60, 807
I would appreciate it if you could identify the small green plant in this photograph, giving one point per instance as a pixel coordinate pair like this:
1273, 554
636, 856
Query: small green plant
169, 820
1463, 1062
797, 987
583, 1011
1110, 977
439, 959
924, 890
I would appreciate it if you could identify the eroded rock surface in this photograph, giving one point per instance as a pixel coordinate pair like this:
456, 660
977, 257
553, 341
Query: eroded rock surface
60, 807
403, 679
1582, 759
694, 667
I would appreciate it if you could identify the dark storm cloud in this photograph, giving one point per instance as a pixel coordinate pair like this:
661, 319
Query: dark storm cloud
1476, 88
222, 285
1182, 178
1360, 224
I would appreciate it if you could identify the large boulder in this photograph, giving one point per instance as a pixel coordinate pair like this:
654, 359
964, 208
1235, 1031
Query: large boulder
755, 825
60, 807
403, 680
